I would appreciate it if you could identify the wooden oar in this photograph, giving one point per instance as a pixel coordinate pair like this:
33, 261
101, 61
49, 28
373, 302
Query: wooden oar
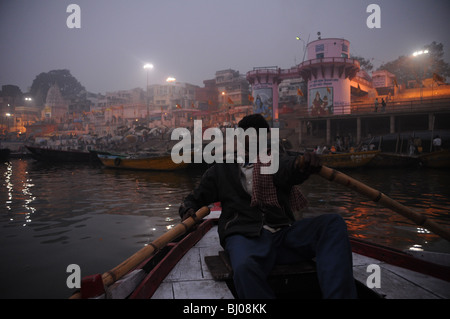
379, 197
132, 262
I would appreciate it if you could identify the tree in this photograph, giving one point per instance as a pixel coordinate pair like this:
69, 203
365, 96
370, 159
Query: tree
437, 64
423, 66
366, 65
69, 86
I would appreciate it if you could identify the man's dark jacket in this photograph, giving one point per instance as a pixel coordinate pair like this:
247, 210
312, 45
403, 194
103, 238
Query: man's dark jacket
222, 183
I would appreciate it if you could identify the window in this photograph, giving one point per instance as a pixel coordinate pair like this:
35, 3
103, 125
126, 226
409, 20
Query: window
344, 47
320, 47
344, 55
319, 55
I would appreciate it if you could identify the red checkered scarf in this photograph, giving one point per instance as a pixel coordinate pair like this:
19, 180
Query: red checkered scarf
264, 191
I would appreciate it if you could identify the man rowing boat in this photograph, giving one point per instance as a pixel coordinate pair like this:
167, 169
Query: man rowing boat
257, 225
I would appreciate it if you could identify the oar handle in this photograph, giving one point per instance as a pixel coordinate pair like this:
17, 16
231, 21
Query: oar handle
379, 197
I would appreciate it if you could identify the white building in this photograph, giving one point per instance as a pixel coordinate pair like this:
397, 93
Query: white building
172, 95
56, 107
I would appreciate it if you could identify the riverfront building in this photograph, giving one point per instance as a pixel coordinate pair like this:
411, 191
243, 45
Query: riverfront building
342, 100
327, 71
325, 97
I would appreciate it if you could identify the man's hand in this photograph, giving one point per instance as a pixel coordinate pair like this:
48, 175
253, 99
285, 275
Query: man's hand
190, 212
309, 163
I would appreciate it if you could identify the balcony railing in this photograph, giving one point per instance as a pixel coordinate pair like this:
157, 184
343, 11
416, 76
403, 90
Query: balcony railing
335, 60
395, 107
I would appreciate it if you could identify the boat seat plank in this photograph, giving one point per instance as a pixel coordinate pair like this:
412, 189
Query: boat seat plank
204, 254
220, 267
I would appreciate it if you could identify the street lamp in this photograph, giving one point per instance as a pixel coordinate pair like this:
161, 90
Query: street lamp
8, 125
298, 38
148, 66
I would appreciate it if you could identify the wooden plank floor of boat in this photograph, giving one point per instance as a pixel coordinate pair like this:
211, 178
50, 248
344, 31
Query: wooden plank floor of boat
191, 278
401, 283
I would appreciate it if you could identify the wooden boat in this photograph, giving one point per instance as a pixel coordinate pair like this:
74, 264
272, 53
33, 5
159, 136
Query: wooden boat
393, 160
155, 162
61, 156
194, 267
180, 266
348, 160
438, 159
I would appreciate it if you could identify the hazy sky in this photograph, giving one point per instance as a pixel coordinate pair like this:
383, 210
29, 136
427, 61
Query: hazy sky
192, 39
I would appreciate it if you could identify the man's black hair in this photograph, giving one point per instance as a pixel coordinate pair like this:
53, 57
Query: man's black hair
256, 121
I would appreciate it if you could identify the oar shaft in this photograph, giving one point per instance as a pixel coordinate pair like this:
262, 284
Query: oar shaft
132, 262
379, 197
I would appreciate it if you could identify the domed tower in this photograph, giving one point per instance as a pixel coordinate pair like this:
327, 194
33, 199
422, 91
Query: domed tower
56, 106
328, 71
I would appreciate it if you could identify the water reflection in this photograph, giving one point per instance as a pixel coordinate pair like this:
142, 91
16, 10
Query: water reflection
19, 197
56, 202
425, 191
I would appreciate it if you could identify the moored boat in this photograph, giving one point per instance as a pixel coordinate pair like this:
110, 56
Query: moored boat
157, 162
191, 267
437, 159
61, 156
393, 160
348, 160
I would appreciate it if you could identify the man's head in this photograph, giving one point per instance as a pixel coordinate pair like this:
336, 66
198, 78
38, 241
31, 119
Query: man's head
256, 121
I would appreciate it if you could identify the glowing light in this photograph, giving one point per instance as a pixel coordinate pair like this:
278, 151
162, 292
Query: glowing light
170, 79
420, 52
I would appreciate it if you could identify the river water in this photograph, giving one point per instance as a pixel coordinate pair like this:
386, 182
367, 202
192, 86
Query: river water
52, 216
